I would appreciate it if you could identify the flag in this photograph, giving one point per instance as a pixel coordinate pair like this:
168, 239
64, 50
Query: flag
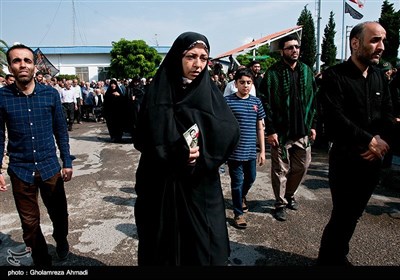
349, 10
43, 64
358, 2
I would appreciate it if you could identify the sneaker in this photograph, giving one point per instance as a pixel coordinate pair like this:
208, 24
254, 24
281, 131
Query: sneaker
292, 203
62, 250
244, 205
240, 222
280, 214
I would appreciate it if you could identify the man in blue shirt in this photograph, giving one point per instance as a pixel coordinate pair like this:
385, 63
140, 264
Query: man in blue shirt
34, 117
250, 115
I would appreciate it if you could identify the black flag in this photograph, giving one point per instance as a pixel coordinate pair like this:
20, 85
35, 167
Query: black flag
354, 14
43, 64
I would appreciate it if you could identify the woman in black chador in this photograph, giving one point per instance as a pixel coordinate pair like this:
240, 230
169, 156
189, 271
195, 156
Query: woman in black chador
180, 210
114, 107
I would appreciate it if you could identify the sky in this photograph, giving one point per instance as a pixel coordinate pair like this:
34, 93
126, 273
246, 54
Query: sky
227, 24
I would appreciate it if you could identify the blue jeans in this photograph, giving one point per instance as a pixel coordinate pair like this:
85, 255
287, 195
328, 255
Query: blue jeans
243, 175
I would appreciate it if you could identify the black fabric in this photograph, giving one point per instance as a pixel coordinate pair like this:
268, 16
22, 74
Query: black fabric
179, 210
357, 108
115, 111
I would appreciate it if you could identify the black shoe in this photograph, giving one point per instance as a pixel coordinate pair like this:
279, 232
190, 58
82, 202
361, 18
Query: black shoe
62, 250
280, 214
292, 203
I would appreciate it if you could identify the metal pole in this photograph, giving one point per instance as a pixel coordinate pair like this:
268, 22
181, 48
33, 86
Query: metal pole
347, 36
343, 28
318, 37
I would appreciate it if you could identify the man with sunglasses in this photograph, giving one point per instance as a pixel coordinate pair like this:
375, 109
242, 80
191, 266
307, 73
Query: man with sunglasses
288, 92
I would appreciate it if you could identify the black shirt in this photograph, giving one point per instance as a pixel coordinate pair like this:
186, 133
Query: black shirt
357, 107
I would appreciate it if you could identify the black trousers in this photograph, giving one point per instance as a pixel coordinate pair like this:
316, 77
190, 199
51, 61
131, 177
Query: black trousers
26, 201
69, 112
352, 181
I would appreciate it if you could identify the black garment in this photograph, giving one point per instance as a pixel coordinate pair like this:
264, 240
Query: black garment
356, 109
180, 211
297, 127
69, 109
135, 94
257, 84
115, 112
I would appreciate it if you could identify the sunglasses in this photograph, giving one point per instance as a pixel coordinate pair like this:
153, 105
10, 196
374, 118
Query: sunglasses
292, 47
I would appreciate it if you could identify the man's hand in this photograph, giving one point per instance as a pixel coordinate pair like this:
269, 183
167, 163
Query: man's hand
66, 174
377, 149
313, 134
273, 140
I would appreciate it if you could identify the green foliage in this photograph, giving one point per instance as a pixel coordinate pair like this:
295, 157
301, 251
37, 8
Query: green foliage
262, 54
67, 77
134, 58
329, 50
308, 49
390, 20
3, 58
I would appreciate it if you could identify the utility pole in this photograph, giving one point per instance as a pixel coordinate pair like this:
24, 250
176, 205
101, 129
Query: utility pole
348, 29
343, 28
156, 39
318, 36
73, 23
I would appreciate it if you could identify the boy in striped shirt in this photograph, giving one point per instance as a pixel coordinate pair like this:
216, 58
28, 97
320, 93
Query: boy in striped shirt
250, 115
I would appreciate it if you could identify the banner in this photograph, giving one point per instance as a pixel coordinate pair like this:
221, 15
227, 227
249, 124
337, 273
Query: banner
349, 10
43, 64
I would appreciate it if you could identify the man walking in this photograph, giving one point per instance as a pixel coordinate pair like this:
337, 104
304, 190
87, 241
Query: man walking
288, 91
357, 103
34, 117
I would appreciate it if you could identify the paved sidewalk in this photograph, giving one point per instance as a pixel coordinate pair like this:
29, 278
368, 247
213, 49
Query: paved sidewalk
101, 197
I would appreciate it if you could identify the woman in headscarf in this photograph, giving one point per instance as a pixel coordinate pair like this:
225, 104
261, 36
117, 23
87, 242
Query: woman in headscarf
180, 210
114, 111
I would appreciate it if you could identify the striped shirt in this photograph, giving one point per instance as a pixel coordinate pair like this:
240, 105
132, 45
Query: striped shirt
247, 112
33, 122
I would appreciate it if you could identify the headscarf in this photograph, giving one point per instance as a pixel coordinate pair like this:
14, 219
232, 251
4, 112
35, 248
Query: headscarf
169, 110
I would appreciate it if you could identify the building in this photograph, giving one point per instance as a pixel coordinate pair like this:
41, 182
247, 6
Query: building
87, 62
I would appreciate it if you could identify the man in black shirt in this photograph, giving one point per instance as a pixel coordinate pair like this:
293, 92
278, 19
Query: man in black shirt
356, 101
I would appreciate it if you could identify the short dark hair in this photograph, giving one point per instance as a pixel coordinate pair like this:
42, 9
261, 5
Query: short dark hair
18, 46
287, 39
243, 72
253, 62
8, 76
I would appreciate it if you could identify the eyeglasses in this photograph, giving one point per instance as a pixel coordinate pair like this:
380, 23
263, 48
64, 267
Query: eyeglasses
292, 47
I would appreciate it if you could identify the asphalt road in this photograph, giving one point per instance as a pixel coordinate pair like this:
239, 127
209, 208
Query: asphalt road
103, 235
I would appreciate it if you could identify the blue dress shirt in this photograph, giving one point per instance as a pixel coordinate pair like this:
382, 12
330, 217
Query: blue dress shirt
35, 123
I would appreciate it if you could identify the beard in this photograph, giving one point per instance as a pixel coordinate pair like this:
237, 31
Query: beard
290, 59
366, 58
23, 80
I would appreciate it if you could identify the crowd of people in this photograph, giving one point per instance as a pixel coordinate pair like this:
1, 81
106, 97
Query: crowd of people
180, 213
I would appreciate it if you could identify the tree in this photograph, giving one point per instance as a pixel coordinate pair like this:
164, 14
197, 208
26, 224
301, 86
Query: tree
390, 21
308, 49
134, 58
3, 58
329, 50
262, 54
